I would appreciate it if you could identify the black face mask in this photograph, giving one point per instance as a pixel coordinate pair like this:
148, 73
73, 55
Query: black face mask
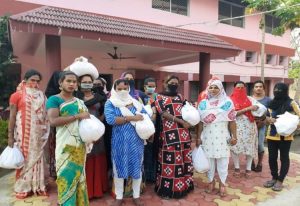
131, 83
98, 89
173, 88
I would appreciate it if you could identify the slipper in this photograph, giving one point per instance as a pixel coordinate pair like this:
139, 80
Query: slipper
277, 187
269, 183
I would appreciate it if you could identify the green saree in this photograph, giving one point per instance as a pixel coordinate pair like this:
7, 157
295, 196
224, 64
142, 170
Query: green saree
70, 155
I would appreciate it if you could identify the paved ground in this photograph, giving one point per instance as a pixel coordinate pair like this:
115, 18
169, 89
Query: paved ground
241, 192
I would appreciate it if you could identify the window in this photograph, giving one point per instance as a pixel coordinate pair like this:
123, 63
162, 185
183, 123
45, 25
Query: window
269, 59
230, 9
174, 6
271, 23
250, 56
283, 60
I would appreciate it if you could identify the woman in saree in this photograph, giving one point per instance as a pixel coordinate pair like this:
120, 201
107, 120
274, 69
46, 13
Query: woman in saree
174, 164
64, 112
29, 129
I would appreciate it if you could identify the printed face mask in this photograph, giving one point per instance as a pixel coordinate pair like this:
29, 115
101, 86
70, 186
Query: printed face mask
86, 85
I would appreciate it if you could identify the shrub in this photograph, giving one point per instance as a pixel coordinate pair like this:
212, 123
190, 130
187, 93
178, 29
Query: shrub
3, 134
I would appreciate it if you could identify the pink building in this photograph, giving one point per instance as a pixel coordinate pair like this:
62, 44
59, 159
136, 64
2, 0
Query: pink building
160, 36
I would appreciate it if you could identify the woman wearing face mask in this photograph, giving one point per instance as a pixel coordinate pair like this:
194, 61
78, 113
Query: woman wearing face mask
174, 169
121, 110
247, 134
29, 129
279, 105
218, 129
96, 164
150, 157
134, 93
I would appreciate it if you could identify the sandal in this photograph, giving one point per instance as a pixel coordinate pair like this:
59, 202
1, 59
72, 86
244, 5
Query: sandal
137, 202
258, 168
23, 195
277, 187
248, 174
210, 187
222, 190
269, 183
237, 173
253, 168
117, 202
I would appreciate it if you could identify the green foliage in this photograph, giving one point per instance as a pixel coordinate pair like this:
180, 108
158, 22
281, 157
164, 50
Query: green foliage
6, 52
287, 12
3, 134
294, 71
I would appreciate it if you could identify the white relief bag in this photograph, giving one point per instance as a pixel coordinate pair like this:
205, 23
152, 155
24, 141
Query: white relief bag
145, 128
286, 124
200, 161
260, 111
12, 158
190, 114
90, 130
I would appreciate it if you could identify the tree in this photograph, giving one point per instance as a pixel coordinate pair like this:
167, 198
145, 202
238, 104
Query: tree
262, 6
288, 13
6, 58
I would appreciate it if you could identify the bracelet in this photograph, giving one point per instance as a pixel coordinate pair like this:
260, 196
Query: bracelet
125, 119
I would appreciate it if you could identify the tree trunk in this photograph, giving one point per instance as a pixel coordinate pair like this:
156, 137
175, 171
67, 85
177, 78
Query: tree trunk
262, 51
297, 93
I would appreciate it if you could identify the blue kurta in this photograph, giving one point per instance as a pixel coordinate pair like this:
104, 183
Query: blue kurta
127, 148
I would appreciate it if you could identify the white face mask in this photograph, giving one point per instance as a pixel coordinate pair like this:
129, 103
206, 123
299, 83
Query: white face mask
123, 94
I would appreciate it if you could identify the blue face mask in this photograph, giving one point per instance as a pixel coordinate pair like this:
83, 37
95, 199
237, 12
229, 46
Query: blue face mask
150, 90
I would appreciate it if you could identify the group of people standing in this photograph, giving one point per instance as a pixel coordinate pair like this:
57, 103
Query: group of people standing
227, 128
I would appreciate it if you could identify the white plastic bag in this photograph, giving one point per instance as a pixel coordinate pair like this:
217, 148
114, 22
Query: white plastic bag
148, 109
12, 158
90, 130
81, 66
286, 124
190, 114
260, 111
145, 128
200, 161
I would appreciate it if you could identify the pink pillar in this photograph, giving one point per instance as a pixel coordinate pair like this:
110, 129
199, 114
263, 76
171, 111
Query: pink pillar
186, 90
204, 70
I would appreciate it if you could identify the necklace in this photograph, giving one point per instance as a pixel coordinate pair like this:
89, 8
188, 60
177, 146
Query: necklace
66, 99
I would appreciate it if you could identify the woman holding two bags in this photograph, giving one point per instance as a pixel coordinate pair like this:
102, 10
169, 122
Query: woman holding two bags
121, 110
218, 130
174, 169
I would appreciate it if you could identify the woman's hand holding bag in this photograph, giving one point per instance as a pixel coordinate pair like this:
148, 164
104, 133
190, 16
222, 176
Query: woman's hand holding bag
190, 114
145, 128
91, 129
200, 161
12, 158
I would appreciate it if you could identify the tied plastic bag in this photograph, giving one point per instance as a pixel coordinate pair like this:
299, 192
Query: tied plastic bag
190, 114
145, 128
90, 130
260, 111
286, 124
12, 158
200, 161
81, 66
149, 110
